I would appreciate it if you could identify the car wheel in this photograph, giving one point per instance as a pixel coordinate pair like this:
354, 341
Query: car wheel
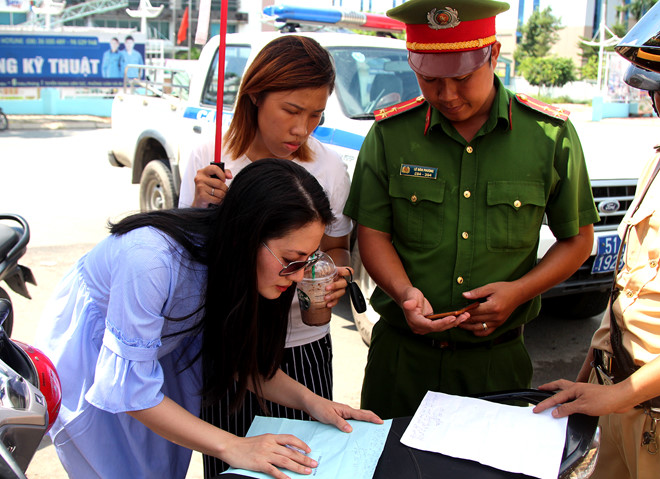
157, 187
578, 306
8, 325
364, 322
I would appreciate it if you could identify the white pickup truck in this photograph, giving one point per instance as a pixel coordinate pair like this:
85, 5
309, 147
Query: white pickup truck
155, 123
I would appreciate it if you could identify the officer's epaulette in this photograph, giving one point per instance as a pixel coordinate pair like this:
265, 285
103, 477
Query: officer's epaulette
390, 111
534, 104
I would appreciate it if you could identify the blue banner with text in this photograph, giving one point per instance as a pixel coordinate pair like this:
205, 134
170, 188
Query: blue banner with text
66, 60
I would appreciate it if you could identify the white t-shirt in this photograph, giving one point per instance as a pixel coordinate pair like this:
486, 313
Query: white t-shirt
330, 171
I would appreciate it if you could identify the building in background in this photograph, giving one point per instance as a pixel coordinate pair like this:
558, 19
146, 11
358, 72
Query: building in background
580, 18
243, 15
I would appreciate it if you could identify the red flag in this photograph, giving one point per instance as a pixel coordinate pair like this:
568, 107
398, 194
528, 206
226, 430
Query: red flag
221, 81
183, 28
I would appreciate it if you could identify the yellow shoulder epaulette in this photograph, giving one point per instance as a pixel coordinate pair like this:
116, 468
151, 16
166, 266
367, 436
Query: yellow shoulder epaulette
534, 104
390, 111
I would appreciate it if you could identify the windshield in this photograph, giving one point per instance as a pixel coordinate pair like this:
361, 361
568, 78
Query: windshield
372, 78
367, 78
236, 57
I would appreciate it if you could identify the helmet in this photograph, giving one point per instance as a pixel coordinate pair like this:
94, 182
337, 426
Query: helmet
641, 45
31, 364
44, 377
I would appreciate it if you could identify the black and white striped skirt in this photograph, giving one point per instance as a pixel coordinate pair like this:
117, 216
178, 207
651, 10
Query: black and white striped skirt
309, 364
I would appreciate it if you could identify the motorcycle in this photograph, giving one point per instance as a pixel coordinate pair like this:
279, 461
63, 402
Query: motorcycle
14, 238
30, 398
4, 123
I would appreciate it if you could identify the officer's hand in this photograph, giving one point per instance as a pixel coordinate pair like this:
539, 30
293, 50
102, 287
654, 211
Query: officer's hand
585, 398
209, 190
416, 307
501, 300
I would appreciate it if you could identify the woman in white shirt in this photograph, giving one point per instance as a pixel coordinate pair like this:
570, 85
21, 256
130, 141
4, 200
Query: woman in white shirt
281, 100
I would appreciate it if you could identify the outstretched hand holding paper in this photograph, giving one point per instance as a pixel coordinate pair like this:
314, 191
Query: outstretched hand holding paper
509, 438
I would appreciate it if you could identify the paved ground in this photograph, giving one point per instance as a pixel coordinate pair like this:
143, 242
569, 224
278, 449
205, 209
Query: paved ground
59, 122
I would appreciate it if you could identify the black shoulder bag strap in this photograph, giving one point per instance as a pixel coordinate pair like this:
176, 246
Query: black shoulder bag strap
624, 365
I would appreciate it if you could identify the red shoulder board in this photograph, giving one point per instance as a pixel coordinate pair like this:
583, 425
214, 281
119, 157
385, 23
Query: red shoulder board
544, 108
390, 111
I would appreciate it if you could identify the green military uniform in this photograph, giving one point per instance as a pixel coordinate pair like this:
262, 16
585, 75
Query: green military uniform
462, 215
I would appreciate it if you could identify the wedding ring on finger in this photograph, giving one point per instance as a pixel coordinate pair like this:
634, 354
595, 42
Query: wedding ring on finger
212, 191
485, 326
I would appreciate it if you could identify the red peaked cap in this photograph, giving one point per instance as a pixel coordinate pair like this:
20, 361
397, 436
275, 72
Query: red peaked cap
448, 39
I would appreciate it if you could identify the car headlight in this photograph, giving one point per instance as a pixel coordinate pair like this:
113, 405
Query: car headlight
585, 467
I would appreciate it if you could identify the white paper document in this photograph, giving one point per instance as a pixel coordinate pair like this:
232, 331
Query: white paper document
509, 438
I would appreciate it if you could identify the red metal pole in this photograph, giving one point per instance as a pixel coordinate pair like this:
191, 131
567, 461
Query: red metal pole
221, 81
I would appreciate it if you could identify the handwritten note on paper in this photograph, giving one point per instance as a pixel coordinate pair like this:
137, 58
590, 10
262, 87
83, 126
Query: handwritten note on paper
339, 454
509, 438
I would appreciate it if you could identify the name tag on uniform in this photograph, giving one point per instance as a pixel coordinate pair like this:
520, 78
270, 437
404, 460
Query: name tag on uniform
419, 171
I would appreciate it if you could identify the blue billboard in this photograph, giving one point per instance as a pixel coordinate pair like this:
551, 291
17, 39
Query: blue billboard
68, 60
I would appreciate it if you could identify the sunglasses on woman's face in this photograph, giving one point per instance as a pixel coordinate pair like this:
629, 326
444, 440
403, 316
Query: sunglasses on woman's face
293, 266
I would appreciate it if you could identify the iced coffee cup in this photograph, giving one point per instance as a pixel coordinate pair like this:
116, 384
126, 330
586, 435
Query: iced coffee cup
311, 291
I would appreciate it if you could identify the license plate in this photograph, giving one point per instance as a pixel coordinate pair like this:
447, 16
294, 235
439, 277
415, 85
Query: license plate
608, 247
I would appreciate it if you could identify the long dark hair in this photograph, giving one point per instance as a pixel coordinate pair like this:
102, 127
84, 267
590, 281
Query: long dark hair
243, 334
289, 62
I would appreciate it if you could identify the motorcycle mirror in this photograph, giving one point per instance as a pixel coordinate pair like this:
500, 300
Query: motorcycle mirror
5, 310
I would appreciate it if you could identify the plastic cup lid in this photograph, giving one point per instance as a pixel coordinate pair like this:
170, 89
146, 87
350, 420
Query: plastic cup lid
321, 269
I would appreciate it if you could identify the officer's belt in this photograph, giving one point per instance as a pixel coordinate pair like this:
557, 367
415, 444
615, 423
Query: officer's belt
505, 337
606, 373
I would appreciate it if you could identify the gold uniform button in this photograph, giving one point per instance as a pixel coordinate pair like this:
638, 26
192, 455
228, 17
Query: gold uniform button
469, 149
517, 204
413, 198
654, 263
465, 235
459, 280
467, 193
629, 293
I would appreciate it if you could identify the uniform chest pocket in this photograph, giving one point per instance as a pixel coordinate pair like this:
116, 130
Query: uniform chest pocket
417, 210
514, 214
644, 241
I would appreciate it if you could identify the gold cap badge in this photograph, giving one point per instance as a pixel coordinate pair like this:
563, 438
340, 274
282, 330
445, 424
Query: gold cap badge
443, 18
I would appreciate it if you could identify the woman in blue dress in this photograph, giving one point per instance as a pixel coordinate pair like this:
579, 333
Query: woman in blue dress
167, 293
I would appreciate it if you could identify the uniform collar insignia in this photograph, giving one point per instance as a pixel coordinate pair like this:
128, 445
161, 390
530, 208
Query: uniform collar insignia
443, 18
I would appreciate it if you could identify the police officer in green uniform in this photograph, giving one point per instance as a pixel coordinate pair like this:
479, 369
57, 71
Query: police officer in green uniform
449, 193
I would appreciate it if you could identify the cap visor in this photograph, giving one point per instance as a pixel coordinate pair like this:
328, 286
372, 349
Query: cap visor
642, 79
448, 65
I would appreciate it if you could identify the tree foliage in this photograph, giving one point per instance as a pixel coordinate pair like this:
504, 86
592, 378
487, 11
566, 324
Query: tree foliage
183, 54
548, 71
538, 35
589, 69
636, 8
